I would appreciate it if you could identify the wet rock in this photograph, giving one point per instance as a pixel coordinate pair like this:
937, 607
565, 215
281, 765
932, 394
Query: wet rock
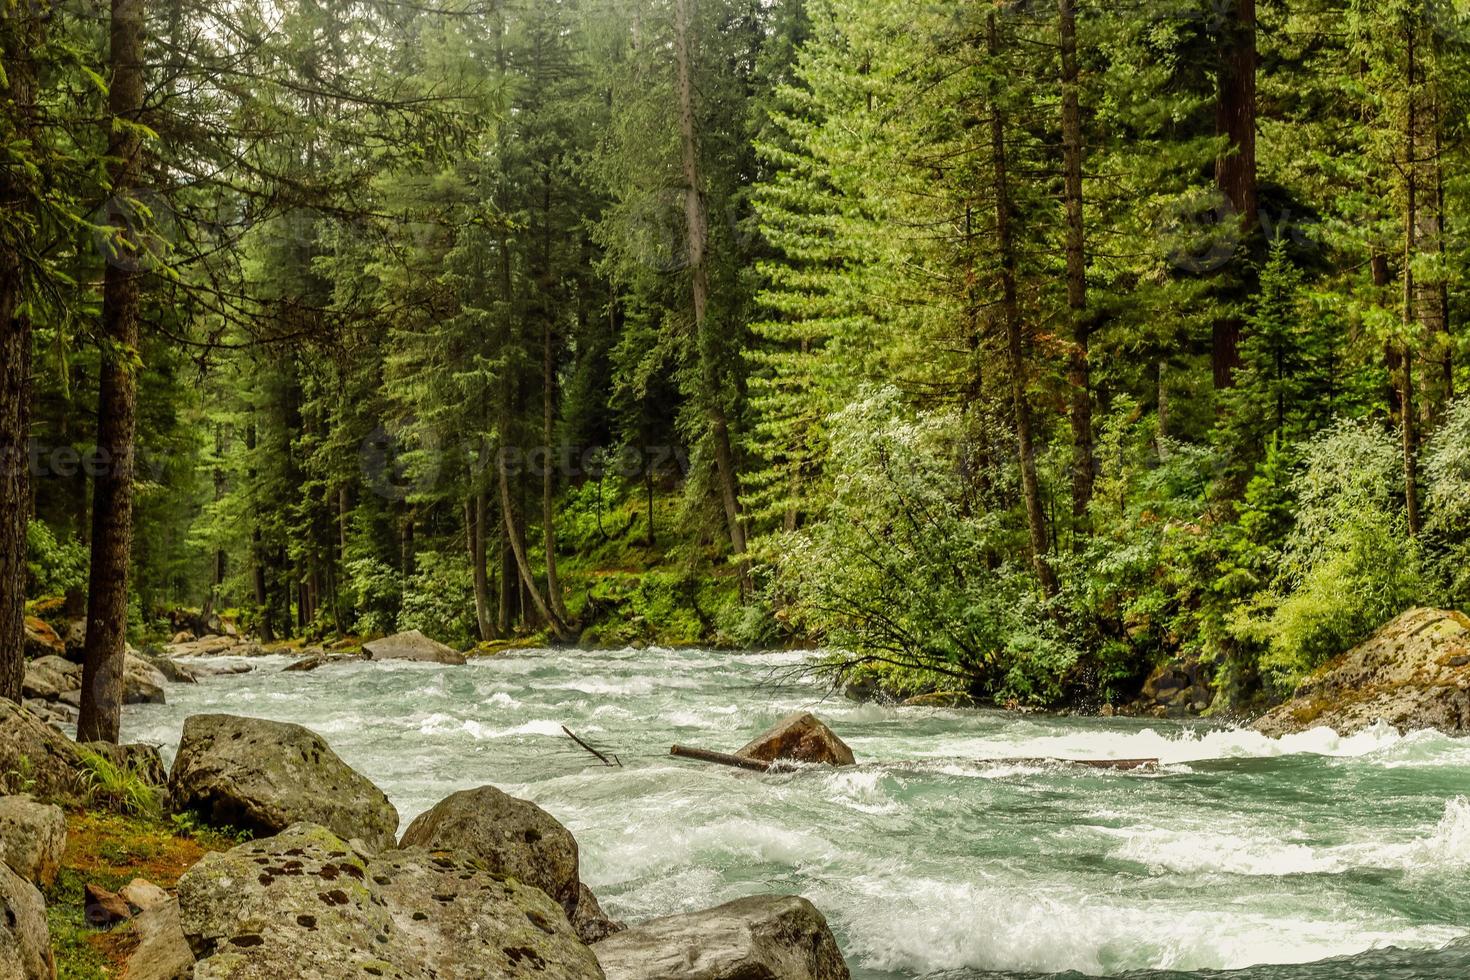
306, 903
105, 909
412, 645
143, 683
768, 937
1413, 673
25, 940
221, 670
941, 699
173, 671
163, 953
800, 737
32, 838
35, 758
265, 776
41, 640
592, 925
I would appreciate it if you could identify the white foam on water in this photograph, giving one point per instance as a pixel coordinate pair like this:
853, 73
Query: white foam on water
922, 926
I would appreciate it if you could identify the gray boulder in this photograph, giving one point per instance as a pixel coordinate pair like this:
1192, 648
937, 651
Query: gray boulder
800, 737
25, 939
48, 678
1413, 673
35, 758
264, 776
759, 938
518, 839
306, 903
32, 838
412, 645
162, 953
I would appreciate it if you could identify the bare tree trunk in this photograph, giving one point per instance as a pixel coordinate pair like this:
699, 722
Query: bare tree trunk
474, 511
697, 228
518, 548
548, 471
1015, 344
112, 511
1235, 170
1407, 420
1078, 368
17, 87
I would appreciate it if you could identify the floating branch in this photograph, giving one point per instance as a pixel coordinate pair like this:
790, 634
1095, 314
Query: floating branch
725, 759
613, 763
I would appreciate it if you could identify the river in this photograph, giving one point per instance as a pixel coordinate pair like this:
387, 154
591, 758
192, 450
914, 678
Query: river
1311, 856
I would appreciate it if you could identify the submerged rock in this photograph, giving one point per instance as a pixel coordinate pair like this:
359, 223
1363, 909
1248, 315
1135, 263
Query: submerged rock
32, 838
518, 839
265, 776
306, 903
25, 939
412, 645
1413, 673
800, 737
762, 938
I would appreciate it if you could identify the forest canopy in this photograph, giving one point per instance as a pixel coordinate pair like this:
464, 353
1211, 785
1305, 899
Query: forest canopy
1000, 347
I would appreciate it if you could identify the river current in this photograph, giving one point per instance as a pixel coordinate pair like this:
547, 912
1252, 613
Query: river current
1312, 856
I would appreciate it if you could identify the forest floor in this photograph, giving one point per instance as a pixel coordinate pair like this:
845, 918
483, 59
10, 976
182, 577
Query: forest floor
111, 850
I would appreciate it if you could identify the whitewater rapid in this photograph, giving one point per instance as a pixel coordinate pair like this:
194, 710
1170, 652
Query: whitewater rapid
1347, 853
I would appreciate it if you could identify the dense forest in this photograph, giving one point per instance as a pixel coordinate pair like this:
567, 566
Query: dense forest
1007, 347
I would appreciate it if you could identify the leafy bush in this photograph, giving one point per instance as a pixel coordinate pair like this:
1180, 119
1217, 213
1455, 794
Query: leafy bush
439, 599
1349, 564
376, 592
53, 567
118, 788
896, 574
1447, 499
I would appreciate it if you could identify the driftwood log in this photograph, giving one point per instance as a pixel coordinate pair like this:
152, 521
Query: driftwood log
755, 765
726, 759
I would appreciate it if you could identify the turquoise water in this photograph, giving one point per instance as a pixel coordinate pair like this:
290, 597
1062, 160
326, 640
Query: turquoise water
1312, 856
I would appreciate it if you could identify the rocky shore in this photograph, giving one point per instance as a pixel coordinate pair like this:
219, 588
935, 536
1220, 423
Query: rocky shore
481, 885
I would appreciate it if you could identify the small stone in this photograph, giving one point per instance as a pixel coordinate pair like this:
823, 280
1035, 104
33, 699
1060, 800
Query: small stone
143, 894
104, 908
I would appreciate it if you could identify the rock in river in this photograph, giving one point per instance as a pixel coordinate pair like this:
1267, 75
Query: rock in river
763, 938
307, 904
515, 838
412, 645
265, 776
801, 737
1413, 673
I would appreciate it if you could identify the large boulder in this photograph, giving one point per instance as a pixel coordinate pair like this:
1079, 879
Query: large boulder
35, 758
412, 645
1413, 673
306, 903
142, 682
32, 838
767, 937
518, 839
41, 640
25, 939
264, 776
800, 737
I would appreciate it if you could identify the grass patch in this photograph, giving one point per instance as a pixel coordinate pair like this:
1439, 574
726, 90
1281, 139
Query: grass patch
110, 850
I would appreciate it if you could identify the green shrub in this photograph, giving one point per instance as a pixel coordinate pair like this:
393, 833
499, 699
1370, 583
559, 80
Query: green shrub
439, 599
53, 567
119, 788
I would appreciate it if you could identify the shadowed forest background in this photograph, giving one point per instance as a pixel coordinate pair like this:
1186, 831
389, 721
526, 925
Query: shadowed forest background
1007, 348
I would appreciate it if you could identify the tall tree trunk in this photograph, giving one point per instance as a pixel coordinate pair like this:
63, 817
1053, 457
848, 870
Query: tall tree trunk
474, 515
518, 548
1011, 313
1407, 420
112, 509
697, 230
1235, 170
1078, 368
548, 470
22, 39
